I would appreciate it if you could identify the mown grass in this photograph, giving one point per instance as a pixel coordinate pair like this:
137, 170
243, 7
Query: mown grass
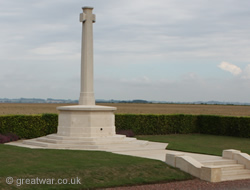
95, 169
199, 143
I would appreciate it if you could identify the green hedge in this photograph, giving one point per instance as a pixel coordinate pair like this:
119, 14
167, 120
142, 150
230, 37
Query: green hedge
31, 126
183, 124
226, 126
156, 124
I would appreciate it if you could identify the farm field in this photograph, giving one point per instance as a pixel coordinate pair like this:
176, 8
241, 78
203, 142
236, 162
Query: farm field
129, 108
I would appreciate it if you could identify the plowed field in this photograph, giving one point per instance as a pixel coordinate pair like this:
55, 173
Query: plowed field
229, 110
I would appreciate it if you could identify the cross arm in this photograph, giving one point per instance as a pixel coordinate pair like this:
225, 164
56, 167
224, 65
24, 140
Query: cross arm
83, 17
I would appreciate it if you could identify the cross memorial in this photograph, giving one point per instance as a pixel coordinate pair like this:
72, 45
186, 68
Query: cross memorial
88, 126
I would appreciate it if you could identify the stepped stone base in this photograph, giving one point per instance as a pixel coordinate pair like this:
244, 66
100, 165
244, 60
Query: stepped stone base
234, 165
88, 128
112, 143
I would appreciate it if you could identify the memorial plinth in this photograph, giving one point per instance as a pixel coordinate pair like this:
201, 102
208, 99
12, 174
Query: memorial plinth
86, 121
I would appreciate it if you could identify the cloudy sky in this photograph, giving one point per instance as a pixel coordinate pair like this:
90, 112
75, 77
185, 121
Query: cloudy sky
169, 50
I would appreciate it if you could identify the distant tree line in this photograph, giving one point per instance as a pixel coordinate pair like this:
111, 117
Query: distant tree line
140, 101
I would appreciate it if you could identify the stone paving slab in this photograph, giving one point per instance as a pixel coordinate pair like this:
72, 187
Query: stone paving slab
161, 154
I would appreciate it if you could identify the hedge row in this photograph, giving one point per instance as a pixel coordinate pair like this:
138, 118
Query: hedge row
226, 126
156, 124
183, 124
27, 126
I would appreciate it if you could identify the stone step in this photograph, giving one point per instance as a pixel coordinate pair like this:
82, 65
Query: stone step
57, 146
83, 142
62, 146
35, 143
218, 162
109, 143
212, 168
235, 172
58, 137
134, 145
20, 144
231, 167
235, 177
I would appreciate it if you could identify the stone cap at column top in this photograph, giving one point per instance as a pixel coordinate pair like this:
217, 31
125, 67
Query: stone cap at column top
87, 7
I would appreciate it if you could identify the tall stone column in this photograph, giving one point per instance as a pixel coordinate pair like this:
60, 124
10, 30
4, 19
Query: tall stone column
86, 119
87, 74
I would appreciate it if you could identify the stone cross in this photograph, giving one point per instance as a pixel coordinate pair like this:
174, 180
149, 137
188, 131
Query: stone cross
87, 85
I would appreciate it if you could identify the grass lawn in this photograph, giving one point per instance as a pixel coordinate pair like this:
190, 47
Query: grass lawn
199, 143
95, 169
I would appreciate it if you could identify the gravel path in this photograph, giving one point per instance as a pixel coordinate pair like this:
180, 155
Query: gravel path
195, 184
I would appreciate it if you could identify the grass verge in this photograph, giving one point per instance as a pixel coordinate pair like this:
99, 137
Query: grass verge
95, 169
199, 143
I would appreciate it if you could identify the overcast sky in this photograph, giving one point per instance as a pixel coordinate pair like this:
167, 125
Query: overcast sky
169, 50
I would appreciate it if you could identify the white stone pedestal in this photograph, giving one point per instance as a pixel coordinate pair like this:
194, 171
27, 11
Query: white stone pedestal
88, 128
86, 121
